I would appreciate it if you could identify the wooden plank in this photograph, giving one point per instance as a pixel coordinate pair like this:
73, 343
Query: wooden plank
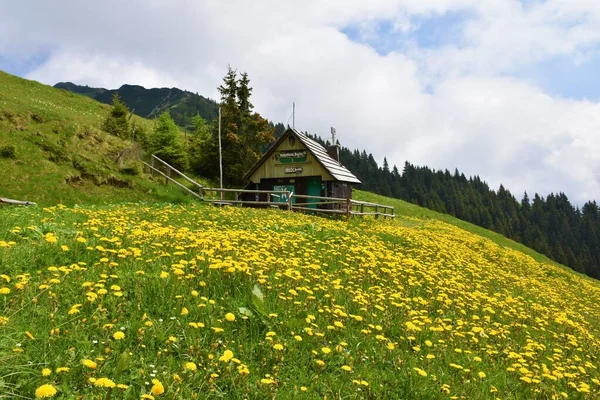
17, 202
262, 203
319, 210
245, 191
302, 196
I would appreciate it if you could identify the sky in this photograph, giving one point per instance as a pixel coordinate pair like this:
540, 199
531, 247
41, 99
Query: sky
505, 89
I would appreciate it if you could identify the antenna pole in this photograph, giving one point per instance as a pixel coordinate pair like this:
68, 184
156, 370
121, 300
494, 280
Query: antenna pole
293, 115
220, 156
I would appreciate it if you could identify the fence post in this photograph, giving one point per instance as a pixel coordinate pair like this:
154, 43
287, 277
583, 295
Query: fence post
348, 205
289, 195
152, 169
376, 211
362, 208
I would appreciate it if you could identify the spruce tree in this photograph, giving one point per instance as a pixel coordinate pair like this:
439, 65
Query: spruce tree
116, 122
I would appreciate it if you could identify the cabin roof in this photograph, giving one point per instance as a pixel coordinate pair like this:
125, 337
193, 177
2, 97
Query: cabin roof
336, 169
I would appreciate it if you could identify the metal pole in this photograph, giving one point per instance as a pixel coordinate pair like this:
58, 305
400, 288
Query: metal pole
293, 115
220, 156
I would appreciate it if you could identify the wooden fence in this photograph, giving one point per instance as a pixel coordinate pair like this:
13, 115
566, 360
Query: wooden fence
274, 198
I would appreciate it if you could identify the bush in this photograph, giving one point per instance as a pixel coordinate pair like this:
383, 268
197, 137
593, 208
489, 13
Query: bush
8, 151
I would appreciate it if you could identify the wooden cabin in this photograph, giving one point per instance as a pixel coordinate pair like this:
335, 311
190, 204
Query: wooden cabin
300, 165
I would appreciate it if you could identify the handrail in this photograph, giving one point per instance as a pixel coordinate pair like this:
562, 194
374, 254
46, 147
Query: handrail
179, 172
174, 181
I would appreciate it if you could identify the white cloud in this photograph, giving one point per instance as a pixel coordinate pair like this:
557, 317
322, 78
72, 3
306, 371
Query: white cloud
474, 115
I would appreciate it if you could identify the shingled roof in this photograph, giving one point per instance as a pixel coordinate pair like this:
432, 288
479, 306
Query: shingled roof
335, 169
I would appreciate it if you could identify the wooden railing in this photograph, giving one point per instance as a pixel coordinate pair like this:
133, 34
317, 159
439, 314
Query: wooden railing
160, 167
270, 198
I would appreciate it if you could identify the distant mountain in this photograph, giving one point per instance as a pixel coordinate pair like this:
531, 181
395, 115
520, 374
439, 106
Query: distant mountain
149, 103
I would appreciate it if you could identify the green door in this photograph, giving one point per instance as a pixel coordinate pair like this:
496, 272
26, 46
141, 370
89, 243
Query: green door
283, 198
314, 189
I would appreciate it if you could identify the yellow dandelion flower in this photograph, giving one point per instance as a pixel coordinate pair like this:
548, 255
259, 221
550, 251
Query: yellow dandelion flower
118, 335
278, 346
230, 317
105, 383
346, 368
157, 387
326, 350
45, 391
46, 372
89, 363
227, 355
190, 366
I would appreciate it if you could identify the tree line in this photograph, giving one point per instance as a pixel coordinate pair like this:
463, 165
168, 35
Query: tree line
552, 225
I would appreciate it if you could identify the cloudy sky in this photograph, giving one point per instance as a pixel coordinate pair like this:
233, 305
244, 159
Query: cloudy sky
506, 89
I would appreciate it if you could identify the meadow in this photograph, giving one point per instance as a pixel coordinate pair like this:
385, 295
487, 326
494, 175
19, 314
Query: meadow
190, 302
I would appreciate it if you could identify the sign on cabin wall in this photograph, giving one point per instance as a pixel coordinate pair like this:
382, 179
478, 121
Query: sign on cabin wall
291, 156
293, 170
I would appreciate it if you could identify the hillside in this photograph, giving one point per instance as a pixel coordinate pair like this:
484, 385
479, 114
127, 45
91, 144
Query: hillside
149, 103
52, 150
198, 301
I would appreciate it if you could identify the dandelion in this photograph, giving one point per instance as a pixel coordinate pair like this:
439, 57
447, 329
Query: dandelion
326, 350
105, 383
278, 346
230, 317
118, 335
89, 364
481, 374
157, 387
46, 372
346, 368
4, 290
190, 366
227, 355
45, 391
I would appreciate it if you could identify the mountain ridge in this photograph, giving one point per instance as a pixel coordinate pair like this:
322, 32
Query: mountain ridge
183, 105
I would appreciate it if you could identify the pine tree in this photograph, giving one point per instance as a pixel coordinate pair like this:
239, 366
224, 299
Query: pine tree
116, 122
166, 142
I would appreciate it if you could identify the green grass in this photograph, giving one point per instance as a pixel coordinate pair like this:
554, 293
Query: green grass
61, 155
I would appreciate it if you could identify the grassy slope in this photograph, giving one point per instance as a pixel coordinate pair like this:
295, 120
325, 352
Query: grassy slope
57, 137
408, 308
402, 208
